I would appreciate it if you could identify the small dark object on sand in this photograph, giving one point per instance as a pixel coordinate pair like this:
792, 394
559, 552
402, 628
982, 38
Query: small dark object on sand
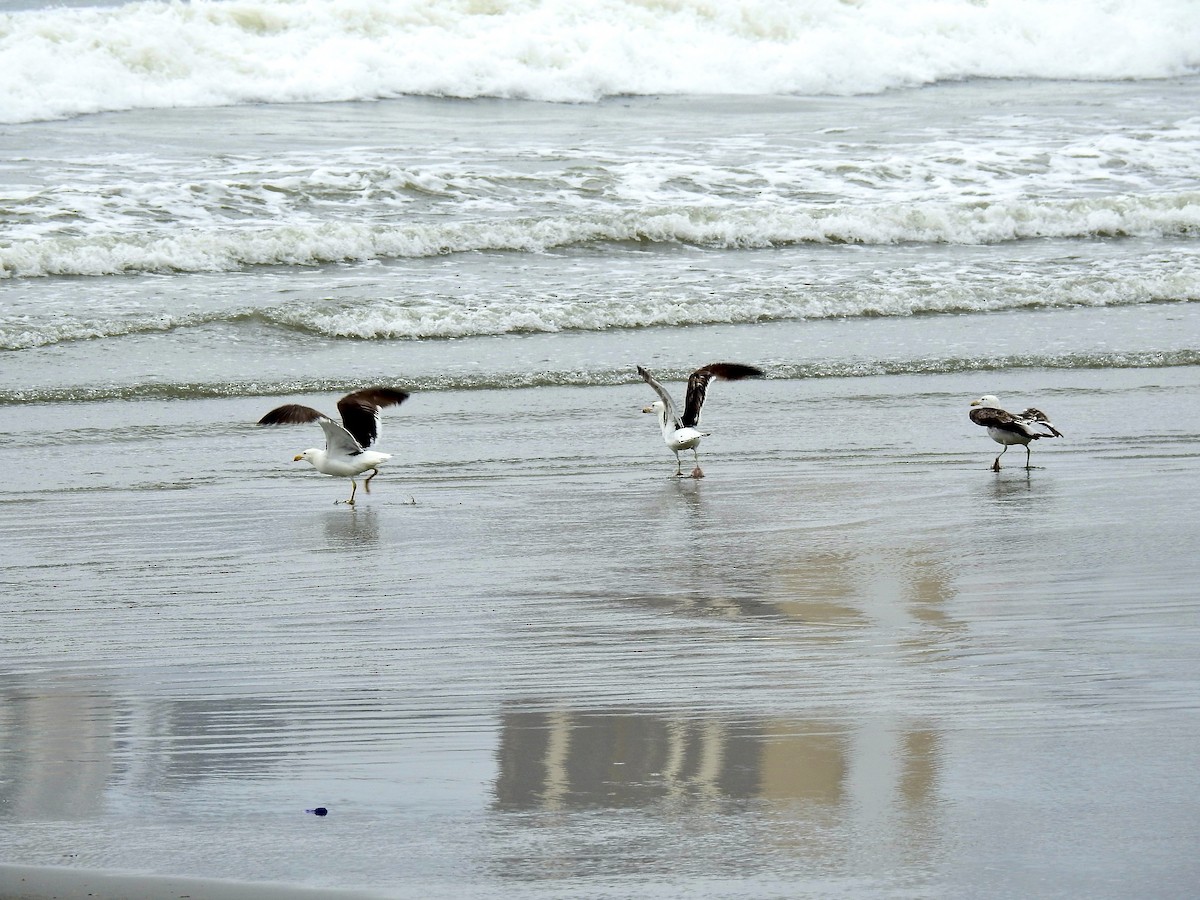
319, 811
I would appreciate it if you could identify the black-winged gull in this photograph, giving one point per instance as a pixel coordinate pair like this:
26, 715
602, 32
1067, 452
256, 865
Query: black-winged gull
345, 454
683, 432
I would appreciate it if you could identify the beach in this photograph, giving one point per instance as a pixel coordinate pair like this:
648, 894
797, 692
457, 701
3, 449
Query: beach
526, 666
850, 661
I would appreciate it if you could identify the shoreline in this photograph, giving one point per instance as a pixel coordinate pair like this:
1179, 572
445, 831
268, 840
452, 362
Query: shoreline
19, 882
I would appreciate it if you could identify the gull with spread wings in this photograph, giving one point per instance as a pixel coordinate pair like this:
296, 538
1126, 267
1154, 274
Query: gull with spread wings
345, 454
683, 432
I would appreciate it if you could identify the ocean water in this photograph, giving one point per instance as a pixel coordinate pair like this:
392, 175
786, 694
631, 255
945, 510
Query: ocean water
850, 661
201, 201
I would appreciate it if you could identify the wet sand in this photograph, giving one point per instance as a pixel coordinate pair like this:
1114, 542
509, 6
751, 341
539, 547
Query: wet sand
32, 882
850, 661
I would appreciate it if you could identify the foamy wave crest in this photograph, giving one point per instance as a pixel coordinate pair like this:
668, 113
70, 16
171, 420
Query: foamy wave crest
62, 62
23, 335
20, 333
305, 244
607, 307
459, 317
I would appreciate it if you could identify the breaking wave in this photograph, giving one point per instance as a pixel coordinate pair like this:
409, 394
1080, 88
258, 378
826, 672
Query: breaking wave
223, 249
57, 62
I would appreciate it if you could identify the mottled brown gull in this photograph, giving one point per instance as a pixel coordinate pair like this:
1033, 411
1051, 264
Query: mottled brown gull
1011, 428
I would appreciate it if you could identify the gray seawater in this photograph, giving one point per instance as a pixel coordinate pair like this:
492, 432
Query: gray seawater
850, 661
276, 249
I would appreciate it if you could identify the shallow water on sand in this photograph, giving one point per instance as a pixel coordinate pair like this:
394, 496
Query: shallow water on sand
528, 664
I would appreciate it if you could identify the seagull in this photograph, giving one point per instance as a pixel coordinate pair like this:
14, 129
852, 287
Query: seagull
1011, 428
345, 454
683, 433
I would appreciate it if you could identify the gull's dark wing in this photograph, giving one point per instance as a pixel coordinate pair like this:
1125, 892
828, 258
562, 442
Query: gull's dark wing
1005, 421
291, 414
698, 385
360, 411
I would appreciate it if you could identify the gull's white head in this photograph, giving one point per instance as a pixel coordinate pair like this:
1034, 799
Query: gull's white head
310, 455
987, 401
657, 406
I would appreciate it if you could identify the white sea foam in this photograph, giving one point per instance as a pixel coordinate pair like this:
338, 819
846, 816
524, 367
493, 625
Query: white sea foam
638, 298
58, 62
906, 294
225, 248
